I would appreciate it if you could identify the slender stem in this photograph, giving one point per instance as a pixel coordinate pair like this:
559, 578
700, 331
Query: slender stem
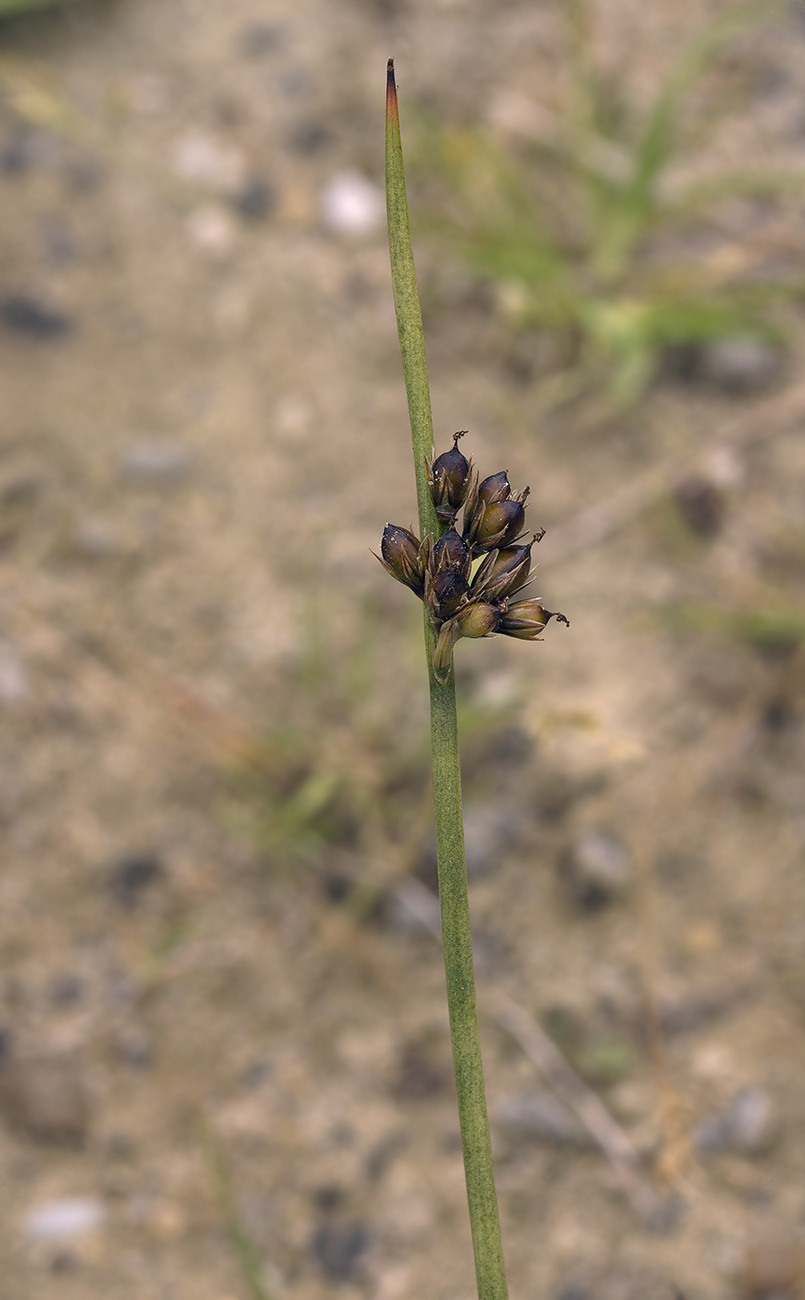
406, 305
454, 902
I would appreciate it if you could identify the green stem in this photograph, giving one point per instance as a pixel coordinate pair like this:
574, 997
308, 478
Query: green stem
406, 305
454, 902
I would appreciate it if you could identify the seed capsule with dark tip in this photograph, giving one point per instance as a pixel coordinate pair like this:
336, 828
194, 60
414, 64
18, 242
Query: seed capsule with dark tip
480, 496
525, 619
446, 593
497, 526
449, 480
503, 573
402, 555
494, 488
451, 554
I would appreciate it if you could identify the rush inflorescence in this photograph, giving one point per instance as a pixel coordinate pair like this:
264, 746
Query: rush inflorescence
472, 580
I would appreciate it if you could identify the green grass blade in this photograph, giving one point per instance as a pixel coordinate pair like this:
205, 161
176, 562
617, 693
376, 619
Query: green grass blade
248, 1256
658, 139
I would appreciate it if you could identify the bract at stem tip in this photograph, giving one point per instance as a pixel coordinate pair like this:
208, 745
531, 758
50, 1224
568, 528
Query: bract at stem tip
391, 92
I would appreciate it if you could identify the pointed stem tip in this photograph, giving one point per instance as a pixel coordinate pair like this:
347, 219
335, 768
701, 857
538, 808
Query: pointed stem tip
391, 91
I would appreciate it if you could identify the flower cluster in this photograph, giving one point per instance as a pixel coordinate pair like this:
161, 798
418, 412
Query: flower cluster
471, 580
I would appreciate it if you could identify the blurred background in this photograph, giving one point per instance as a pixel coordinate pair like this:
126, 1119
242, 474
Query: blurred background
225, 1069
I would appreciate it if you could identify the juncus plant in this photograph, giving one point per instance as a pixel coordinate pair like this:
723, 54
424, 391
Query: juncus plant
472, 581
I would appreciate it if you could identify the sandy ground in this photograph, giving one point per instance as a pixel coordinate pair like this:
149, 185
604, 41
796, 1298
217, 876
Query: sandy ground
215, 911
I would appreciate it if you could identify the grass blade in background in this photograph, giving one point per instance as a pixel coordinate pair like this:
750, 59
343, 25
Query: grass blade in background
248, 1256
582, 235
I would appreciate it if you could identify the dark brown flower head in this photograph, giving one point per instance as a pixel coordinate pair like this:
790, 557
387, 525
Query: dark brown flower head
449, 481
525, 619
451, 554
445, 594
438, 568
404, 557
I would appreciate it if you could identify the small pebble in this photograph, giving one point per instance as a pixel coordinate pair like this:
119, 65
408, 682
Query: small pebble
597, 869
59, 246
155, 461
412, 908
14, 685
337, 1248
66, 990
207, 161
351, 205
419, 1076
22, 153
33, 319
46, 1098
255, 201
255, 1074
96, 539
212, 229
748, 1126
130, 876
20, 488
307, 138
260, 38
555, 793
490, 828
753, 1121
701, 505
61, 1220
541, 1117
773, 1269
741, 365
134, 1050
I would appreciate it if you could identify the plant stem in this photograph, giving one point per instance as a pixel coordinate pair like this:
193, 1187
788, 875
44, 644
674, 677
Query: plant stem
406, 305
454, 902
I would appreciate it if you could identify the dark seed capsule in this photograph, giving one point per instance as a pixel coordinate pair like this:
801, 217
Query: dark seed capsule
449, 480
451, 554
495, 488
446, 594
503, 573
480, 496
525, 619
490, 510
401, 555
499, 525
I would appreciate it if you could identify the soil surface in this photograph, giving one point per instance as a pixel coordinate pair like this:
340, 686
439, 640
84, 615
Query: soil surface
222, 996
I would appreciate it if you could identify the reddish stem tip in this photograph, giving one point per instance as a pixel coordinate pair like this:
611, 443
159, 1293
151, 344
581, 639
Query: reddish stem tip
391, 89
